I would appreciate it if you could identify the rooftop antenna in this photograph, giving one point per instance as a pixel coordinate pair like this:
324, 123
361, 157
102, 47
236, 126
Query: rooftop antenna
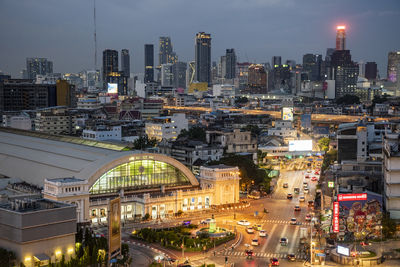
95, 38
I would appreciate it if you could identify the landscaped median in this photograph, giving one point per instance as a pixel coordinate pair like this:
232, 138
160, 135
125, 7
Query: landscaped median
187, 237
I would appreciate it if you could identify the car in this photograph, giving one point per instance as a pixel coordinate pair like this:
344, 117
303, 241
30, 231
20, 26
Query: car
316, 172
306, 190
297, 208
307, 176
291, 257
289, 196
293, 221
314, 178
284, 241
311, 203
263, 233
296, 190
249, 253
206, 221
257, 227
243, 222
285, 185
274, 261
254, 242
302, 198
250, 230
305, 184
308, 217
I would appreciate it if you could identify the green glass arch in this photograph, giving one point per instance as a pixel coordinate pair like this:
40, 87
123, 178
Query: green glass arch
139, 174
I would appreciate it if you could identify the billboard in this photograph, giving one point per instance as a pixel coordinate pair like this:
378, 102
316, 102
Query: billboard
112, 88
343, 250
360, 215
114, 227
300, 145
287, 114
335, 221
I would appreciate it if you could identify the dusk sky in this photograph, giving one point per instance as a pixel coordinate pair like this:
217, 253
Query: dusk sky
257, 29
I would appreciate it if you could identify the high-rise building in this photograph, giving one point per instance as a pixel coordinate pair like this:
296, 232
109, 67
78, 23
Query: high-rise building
393, 67
125, 62
179, 71
167, 76
257, 79
38, 66
148, 63
166, 53
312, 64
276, 61
203, 57
222, 67
341, 37
110, 63
345, 73
230, 56
371, 70
242, 72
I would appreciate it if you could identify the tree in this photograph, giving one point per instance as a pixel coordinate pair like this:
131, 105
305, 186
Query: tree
144, 142
146, 217
254, 129
323, 143
195, 133
388, 226
241, 100
348, 100
329, 159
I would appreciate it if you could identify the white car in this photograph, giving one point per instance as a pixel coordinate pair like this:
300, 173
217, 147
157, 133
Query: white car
263, 233
254, 242
243, 222
250, 230
293, 221
306, 190
302, 198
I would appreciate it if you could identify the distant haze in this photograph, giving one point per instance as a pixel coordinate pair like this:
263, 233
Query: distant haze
258, 29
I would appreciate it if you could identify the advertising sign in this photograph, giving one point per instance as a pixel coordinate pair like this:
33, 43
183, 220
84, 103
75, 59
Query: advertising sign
361, 214
335, 217
352, 197
343, 250
114, 227
331, 184
287, 114
300, 145
112, 88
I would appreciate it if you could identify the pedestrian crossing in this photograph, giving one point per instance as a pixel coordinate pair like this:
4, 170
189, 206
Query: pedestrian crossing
262, 255
284, 222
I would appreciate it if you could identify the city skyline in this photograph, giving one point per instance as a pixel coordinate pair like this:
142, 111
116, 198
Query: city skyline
368, 36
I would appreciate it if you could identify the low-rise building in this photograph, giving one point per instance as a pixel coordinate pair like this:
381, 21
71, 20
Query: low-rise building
56, 120
103, 133
38, 230
234, 141
283, 129
168, 127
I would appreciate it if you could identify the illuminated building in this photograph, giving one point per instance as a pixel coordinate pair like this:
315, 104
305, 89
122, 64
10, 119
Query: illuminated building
125, 62
38, 230
166, 53
168, 127
38, 66
167, 75
276, 61
312, 65
341, 37
203, 57
110, 64
393, 68
196, 87
257, 79
345, 73
148, 63
230, 72
242, 72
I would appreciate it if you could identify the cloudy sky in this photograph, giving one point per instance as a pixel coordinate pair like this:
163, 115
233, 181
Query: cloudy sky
258, 29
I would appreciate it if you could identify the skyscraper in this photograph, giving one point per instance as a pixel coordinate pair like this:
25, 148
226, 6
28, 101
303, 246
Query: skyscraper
110, 63
393, 65
167, 76
276, 61
179, 72
257, 79
166, 53
148, 63
312, 65
345, 73
230, 72
125, 62
341, 37
371, 70
38, 66
203, 57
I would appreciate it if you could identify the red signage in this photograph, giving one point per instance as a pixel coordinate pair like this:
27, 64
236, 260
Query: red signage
335, 221
352, 197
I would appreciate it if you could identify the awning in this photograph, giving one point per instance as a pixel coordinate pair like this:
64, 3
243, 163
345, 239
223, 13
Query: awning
41, 257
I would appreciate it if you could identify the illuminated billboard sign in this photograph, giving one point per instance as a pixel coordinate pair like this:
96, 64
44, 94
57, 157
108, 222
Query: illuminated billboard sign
343, 250
300, 145
112, 88
287, 114
335, 217
352, 197
331, 184
114, 227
